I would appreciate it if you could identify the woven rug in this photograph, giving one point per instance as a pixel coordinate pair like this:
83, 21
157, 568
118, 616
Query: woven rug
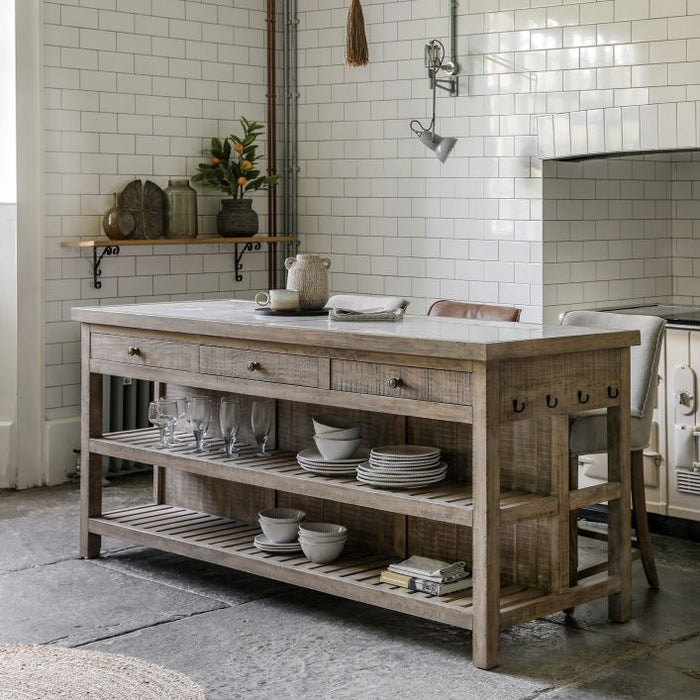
36, 672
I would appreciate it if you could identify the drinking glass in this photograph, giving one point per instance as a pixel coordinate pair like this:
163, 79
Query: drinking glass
200, 416
230, 423
261, 423
181, 413
162, 413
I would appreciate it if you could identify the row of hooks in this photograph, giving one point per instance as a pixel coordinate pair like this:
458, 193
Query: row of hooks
553, 401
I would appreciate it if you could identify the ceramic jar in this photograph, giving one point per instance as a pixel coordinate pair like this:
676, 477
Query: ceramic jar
237, 218
308, 274
118, 223
181, 203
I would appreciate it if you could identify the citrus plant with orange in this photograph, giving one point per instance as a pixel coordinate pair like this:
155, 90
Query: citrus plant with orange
232, 165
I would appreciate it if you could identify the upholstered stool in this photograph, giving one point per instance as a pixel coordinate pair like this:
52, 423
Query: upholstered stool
465, 309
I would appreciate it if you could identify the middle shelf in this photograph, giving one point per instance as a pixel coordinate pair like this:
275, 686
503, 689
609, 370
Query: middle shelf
448, 501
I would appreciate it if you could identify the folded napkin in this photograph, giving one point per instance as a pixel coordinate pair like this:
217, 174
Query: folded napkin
361, 307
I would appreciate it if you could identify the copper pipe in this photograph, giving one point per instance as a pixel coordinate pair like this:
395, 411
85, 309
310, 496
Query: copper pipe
271, 143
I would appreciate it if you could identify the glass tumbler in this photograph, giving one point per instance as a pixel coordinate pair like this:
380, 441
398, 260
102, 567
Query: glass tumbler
261, 417
200, 417
230, 423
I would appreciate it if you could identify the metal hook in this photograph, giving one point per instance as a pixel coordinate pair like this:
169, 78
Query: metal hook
515, 406
549, 401
581, 399
611, 394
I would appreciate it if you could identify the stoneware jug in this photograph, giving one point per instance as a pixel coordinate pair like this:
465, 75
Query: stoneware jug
308, 275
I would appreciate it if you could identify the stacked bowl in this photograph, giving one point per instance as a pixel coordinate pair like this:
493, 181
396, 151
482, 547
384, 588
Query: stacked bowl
335, 438
280, 527
322, 542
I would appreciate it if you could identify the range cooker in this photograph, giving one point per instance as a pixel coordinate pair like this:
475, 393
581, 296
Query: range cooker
672, 459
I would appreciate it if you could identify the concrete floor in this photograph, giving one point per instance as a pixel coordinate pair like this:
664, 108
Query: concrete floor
242, 636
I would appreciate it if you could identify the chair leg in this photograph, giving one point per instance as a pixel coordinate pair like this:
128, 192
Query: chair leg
639, 514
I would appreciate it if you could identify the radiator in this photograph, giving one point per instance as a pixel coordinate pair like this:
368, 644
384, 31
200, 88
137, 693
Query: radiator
124, 407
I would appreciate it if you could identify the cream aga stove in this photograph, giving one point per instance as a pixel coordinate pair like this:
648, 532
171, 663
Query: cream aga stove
672, 459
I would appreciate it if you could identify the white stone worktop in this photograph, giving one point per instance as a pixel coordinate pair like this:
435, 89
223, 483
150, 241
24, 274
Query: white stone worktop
441, 337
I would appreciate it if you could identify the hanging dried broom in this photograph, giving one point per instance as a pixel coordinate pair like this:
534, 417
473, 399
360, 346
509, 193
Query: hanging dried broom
356, 51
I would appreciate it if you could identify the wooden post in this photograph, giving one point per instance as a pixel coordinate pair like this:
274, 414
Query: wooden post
619, 534
90, 464
487, 516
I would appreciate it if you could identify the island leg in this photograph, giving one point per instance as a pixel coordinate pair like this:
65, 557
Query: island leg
486, 626
90, 464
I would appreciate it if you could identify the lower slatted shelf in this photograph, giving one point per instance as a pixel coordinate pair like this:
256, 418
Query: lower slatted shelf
227, 542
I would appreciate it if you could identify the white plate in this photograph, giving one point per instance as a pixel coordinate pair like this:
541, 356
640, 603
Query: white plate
423, 464
405, 453
329, 472
400, 484
261, 542
398, 474
393, 480
312, 456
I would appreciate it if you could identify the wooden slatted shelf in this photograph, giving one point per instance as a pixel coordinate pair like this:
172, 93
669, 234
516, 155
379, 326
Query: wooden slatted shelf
450, 502
228, 542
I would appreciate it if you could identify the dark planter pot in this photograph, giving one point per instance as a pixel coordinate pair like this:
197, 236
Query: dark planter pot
236, 218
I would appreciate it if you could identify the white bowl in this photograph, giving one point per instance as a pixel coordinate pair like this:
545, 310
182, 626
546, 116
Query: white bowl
341, 434
325, 540
282, 515
331, 449
322, 552
279, 532
327, 424
322, 531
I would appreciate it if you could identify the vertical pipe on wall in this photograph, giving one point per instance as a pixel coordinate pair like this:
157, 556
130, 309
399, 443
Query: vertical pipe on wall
271, 142
290, 168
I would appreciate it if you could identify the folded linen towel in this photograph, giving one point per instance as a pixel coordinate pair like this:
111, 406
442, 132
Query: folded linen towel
362, 307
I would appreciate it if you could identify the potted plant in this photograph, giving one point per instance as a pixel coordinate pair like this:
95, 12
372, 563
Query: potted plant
232, 170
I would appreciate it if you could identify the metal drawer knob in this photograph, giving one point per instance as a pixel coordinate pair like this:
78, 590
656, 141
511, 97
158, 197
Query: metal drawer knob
133, 350
395, 382
252, 366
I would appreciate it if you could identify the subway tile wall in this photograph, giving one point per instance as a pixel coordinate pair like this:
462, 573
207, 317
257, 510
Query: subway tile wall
618, 74
135, 89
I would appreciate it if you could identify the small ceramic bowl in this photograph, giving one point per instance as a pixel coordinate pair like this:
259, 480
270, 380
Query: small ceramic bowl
282, 515
342, 434
329, 424
322, 552
331, 448
322, 531
280, 524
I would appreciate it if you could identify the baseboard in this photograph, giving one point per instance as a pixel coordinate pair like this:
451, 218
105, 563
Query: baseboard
659, 524
61, 437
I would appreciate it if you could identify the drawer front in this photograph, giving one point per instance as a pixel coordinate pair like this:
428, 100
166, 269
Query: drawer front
260, 365
399, 381
149, 352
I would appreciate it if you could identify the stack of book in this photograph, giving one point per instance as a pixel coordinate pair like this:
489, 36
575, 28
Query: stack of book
428, 575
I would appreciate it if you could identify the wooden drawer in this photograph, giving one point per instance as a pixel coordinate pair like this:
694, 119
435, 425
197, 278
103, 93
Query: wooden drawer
399, 381
149, 352
260, 365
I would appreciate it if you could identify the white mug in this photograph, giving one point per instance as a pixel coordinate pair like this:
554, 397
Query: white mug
278, 299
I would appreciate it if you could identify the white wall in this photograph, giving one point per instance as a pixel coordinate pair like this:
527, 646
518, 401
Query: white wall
392, 219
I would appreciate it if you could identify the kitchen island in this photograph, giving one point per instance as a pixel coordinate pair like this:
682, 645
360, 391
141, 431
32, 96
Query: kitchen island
494, 397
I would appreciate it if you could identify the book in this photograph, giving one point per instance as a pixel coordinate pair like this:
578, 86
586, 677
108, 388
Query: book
415, 583
430, 569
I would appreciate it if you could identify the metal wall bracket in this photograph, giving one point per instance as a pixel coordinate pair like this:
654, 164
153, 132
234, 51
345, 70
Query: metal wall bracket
97, 261
239, 255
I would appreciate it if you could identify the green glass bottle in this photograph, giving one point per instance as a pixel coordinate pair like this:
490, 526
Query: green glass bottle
181, 203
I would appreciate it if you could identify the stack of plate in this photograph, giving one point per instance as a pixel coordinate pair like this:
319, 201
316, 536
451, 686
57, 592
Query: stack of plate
311, 460
402, 466
261, 542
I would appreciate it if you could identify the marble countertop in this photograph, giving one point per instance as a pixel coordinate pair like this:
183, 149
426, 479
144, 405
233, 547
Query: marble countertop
446, 337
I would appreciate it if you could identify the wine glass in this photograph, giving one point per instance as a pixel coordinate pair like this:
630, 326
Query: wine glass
181, 413
200, 416
162, 413
261, 423
230, 423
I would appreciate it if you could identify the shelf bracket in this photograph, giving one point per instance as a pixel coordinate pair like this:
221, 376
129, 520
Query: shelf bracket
97, 261
239, 255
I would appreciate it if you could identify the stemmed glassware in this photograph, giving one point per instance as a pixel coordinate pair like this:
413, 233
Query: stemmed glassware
181, 413
163, 414
230, 423
199, 409
261, 416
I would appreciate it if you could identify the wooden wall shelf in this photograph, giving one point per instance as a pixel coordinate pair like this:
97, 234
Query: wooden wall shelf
113, 248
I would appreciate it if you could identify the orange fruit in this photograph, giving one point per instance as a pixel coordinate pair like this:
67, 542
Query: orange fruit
242, 181
238, 148
215, 160
246, 165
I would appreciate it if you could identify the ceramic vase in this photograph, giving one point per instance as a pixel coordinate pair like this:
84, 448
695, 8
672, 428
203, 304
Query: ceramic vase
237, 218
118, 223
308, 274
181, 203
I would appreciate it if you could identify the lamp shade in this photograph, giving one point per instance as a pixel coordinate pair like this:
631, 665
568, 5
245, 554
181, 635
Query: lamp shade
441, 146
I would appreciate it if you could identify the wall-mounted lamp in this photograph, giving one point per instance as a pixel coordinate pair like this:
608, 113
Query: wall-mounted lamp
435, 62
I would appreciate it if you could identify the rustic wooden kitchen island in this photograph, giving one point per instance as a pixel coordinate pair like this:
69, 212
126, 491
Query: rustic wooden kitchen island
495, 397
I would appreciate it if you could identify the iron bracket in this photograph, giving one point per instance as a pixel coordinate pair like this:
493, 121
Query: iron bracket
239, 255
97, 261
